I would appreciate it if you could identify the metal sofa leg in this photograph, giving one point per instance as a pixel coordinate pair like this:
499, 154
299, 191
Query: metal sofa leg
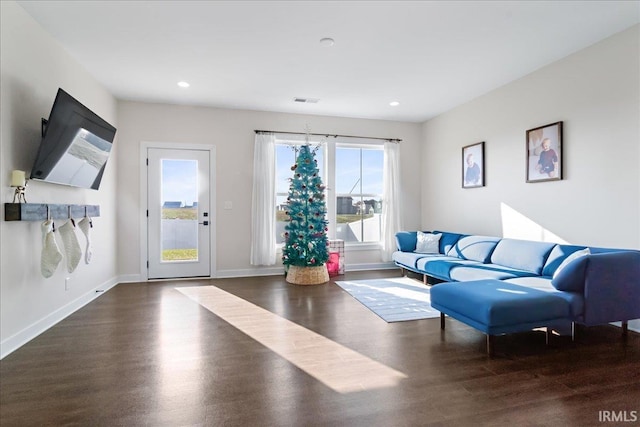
573, 331
625, 328
442, 321
490, 344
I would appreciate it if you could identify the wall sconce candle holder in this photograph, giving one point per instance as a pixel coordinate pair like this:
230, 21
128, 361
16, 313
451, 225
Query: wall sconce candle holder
19, 181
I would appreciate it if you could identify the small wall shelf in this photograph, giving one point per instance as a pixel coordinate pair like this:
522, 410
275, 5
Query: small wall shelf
42, 211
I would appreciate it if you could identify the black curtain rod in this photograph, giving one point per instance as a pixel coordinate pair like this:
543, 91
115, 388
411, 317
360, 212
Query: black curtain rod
328, 134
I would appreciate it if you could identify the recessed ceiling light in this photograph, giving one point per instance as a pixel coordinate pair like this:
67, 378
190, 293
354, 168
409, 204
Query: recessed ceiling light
183, 84
327, 42
394, 103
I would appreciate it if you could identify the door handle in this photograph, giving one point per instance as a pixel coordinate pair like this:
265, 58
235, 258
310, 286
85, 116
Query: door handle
204, 223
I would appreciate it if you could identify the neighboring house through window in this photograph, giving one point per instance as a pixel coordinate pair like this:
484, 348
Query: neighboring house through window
358, 184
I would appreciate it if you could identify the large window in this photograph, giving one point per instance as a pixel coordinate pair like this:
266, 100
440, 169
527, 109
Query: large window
352, 174
359, 193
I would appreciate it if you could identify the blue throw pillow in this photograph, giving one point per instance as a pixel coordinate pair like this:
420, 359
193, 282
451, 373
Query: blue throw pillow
568, 260
557, 255
571, 277
406, 241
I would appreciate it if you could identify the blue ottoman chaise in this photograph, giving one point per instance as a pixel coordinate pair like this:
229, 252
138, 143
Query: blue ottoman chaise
501, 285
495, 307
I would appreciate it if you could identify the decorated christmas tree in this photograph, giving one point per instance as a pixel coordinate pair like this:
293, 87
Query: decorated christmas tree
306, 243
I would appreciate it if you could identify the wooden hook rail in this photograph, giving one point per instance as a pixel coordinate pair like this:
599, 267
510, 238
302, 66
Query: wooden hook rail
42, 211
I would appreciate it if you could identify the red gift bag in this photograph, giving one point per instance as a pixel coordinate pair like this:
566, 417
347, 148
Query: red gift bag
333, 264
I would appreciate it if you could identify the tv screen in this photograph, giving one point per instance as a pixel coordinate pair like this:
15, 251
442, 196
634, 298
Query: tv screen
76, 144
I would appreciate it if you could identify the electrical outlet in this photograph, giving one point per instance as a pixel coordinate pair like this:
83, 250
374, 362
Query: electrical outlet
67, 283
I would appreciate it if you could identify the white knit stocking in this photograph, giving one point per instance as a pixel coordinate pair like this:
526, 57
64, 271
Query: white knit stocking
85, 225
51, 255
72, 250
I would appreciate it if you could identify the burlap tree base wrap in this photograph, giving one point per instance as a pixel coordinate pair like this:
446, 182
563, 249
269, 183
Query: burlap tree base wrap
307, 275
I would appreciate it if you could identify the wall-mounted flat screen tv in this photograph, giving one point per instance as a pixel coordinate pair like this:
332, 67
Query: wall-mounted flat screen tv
76, 144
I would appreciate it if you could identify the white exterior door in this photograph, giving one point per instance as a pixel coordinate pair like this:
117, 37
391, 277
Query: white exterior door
178, 217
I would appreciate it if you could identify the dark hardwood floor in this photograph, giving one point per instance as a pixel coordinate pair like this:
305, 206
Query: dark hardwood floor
146, 354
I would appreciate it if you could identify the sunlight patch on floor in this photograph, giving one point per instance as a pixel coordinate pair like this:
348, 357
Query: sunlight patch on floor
401, 291
333, 364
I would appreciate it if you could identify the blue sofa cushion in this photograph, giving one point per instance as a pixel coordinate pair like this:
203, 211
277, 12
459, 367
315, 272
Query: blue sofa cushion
557, 255
522, 254
421, 264
441, 268
575, 299
486, 271
408, 259
448, 240
406, 240
475, 248
496, 303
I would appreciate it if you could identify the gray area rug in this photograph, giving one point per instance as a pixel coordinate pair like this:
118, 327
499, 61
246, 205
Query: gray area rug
394, 300
401, 299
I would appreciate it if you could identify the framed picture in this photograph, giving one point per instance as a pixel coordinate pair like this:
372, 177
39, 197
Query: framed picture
473, 165
544, 153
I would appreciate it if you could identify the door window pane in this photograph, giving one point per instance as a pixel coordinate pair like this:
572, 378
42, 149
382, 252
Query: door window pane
179, 210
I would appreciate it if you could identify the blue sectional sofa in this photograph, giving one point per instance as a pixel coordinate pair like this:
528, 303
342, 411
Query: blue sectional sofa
600, 287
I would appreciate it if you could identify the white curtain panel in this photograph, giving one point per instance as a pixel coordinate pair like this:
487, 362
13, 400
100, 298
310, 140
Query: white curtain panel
391, 218
263, 209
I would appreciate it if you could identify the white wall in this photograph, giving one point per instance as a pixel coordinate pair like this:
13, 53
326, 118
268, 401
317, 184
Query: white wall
33, 66
595, 92
232, 132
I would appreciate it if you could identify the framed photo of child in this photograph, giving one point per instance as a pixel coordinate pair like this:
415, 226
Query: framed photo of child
473, 165
544, 153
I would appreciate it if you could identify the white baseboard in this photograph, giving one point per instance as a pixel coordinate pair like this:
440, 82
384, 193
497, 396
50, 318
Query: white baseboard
19, 339
220, 274
279, 270
249, 272
372, 266
130, 278
265, 271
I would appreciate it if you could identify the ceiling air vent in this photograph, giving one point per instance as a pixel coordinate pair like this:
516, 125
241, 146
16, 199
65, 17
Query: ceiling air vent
306, 100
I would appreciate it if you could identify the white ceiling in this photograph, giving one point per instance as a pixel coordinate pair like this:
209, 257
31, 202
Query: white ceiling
259, 55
